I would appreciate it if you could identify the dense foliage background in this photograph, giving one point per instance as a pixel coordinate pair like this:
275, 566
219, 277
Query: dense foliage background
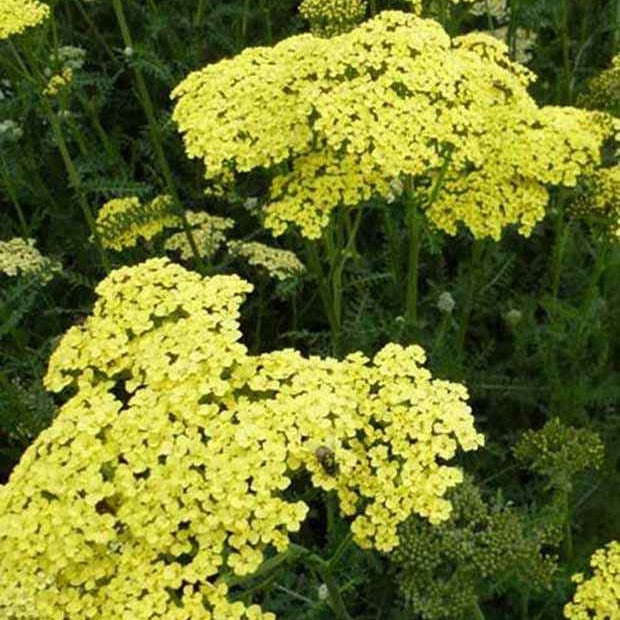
530, 325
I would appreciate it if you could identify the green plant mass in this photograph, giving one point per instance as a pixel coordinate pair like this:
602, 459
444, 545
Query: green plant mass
310, 309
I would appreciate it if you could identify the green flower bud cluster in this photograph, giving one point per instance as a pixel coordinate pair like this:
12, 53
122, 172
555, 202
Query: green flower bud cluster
603, 90
559, 452
445, 569
331, 17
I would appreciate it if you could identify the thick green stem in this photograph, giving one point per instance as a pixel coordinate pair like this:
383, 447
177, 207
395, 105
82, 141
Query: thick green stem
468, 302
315, 268
477, 612
200, 13
615, 37
568, 533
337, 602
338, 262
74, 178
154, 131
561, 233
11, 190
415, 228
566, 49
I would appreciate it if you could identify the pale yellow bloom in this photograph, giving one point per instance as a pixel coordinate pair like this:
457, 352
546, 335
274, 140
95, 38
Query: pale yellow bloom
18, 15
20, 257
168, 464
278, 263
391, 100
598, 598
121, 222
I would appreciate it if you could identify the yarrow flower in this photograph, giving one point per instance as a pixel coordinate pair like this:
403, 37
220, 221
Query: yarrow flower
446, 303
70, 56
209, 233
10, 131
58, 82
395, 98
524, 42
331, 17
121, 222
497, 9
20, 257
18, 15
278, 263
165, 469
598, 597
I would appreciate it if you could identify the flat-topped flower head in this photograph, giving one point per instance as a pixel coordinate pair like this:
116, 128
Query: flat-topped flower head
18, 15
598, 597
394, 99
20, 257
278, 263
165, 470
122, 222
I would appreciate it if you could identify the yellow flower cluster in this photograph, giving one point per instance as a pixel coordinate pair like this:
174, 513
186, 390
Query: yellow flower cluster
392, 99
18, 15
280, 264
598, 598
165, 470
331, 17
58, 82
121, 222
208, 231
20, 257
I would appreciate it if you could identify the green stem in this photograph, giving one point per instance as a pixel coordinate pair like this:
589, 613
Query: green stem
75, 181
441, 331
415, 228
566, 47
615, 38
111, 151
525, 604
338, 606
200, 13
468, 302
568, 533
477, 612
154, 131
338, 262
561, 232
340, 550
93, 27
10, 188
315, 268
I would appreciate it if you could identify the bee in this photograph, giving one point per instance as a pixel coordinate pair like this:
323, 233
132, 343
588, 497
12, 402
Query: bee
326, 457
